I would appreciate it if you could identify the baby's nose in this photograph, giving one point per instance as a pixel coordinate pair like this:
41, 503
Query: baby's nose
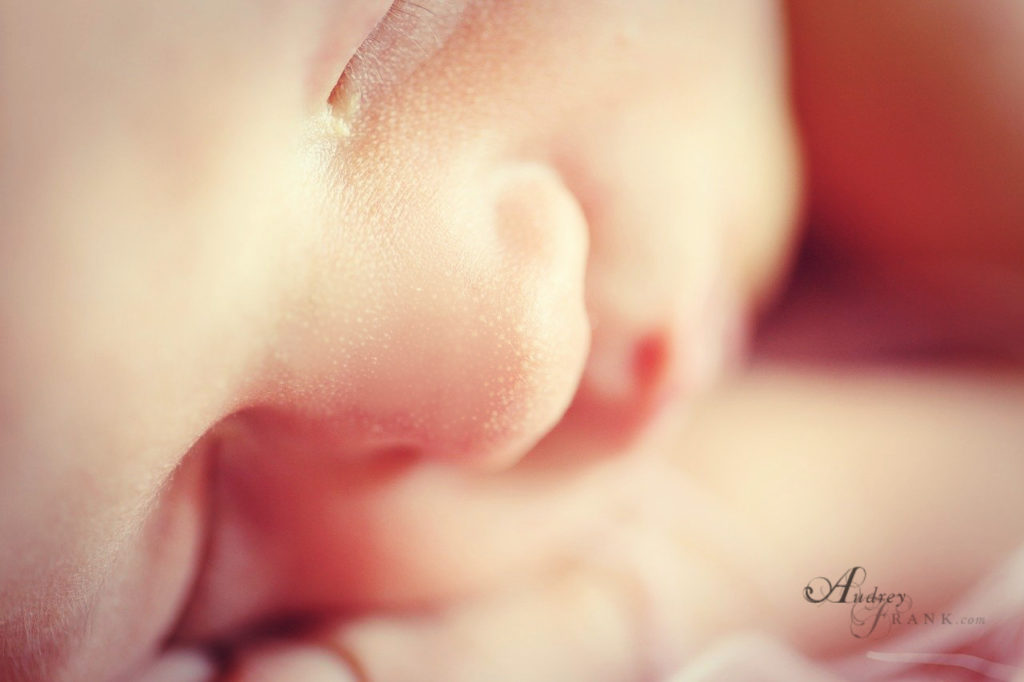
450, 322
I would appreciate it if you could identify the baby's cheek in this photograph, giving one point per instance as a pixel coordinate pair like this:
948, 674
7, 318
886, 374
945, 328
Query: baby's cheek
688, 178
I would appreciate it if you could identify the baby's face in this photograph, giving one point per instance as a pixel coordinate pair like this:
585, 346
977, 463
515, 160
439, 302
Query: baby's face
261, 329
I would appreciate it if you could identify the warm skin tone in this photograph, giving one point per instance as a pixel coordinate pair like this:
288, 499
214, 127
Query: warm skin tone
275, 349
195, 250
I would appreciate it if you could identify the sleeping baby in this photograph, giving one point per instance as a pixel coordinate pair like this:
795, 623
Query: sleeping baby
474, 340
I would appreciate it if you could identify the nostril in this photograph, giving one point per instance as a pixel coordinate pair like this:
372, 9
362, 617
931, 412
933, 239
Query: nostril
629, 376
650, 359
626, 369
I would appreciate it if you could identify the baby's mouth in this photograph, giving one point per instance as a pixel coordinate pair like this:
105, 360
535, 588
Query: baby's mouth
299, 538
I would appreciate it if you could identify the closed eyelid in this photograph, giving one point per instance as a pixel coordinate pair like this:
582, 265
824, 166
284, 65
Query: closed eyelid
406, 37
